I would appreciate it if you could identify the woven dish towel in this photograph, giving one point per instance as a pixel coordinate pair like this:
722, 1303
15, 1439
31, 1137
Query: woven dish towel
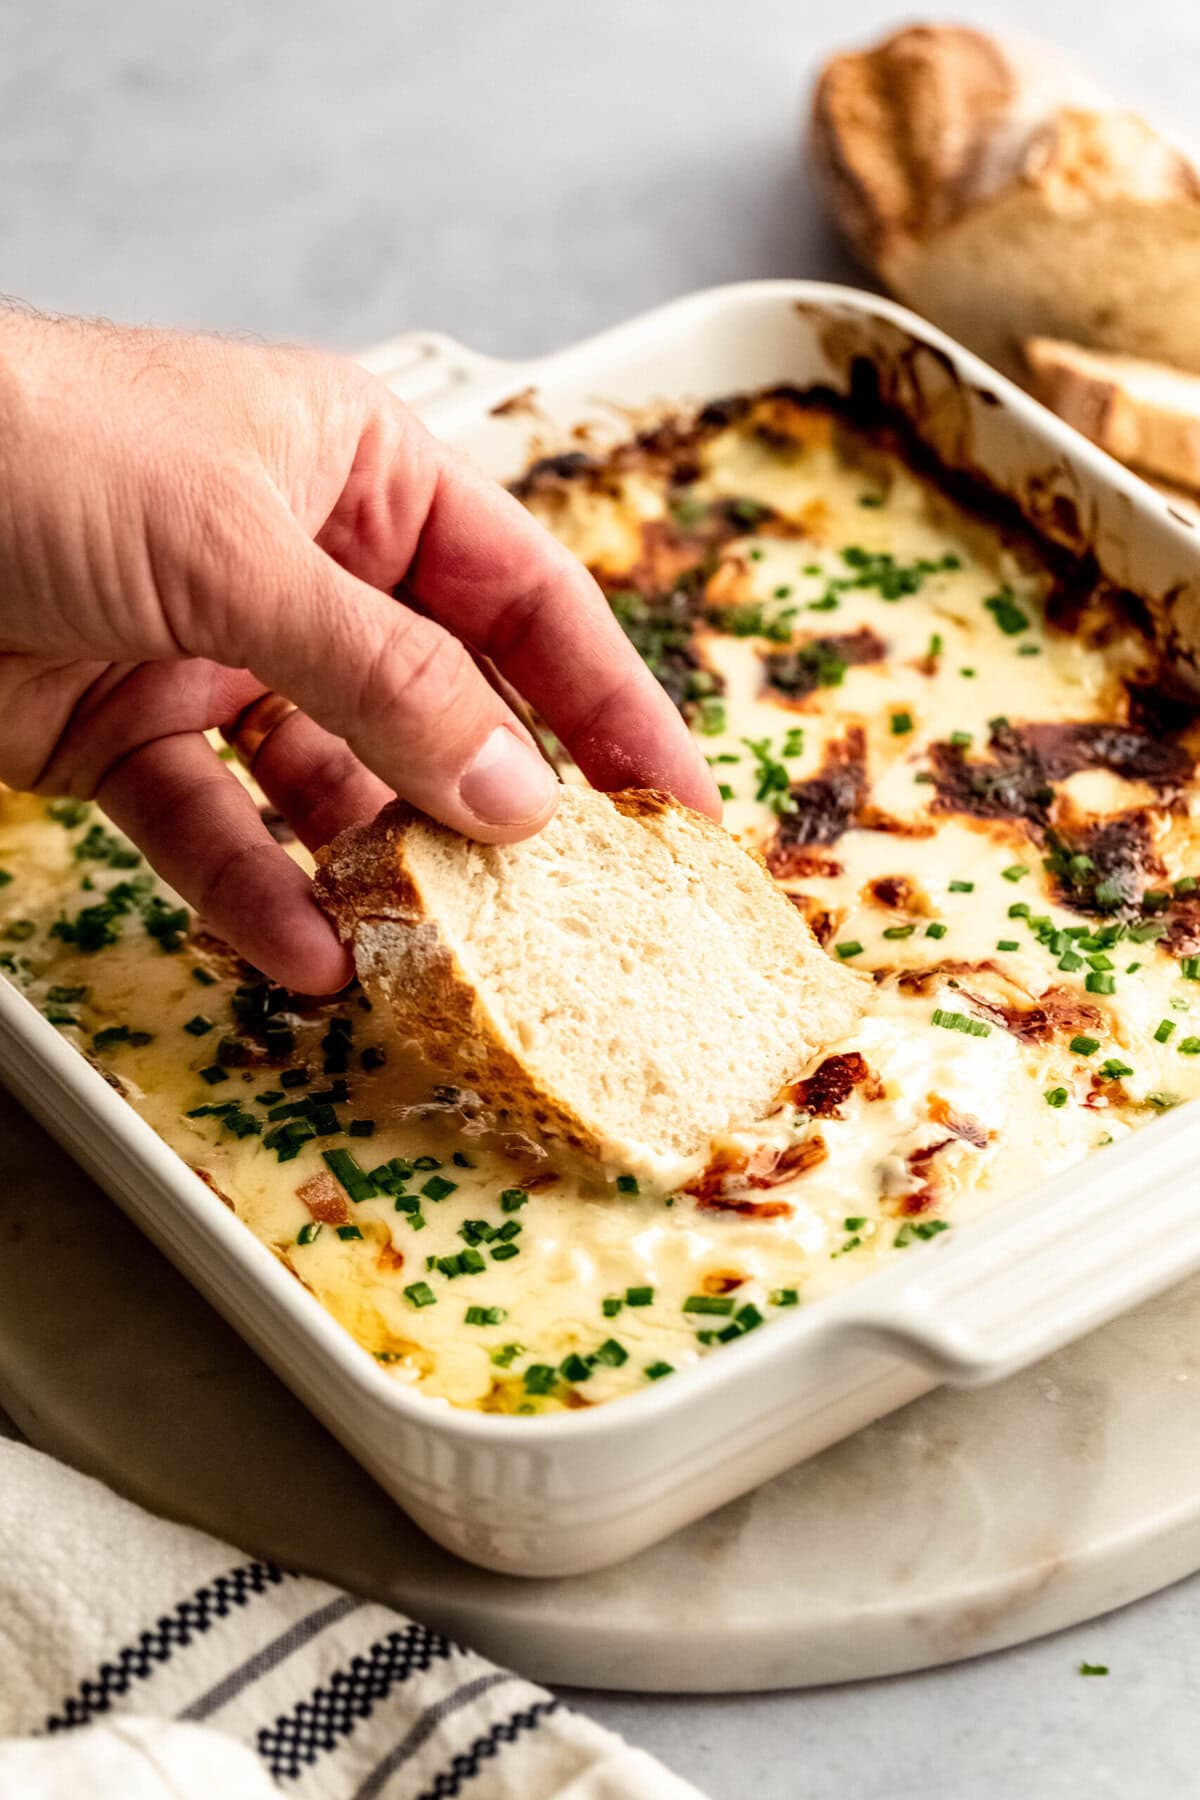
141, 1660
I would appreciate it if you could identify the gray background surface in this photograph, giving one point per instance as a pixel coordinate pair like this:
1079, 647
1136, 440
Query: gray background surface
517, 173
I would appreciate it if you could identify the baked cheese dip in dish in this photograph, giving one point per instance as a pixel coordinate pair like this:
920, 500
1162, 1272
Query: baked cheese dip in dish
951, 746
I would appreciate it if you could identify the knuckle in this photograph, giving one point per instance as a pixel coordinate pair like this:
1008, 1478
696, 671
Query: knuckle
419, 672
234, 885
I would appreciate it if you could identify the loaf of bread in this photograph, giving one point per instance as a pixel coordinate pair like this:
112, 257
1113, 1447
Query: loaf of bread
1143, 413
993, 190
628, 982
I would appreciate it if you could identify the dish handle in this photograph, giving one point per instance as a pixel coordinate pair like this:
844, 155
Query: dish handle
425, 367
1051, 1267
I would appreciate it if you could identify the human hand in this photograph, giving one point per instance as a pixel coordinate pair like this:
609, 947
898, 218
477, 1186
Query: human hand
187, 523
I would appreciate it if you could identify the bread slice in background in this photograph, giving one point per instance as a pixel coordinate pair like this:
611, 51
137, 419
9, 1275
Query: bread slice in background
628, 982
1144, 413
994, 189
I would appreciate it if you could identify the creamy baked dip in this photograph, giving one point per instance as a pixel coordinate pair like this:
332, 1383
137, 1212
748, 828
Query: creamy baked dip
952, 752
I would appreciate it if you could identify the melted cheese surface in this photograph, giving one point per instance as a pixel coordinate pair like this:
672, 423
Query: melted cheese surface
990, 1055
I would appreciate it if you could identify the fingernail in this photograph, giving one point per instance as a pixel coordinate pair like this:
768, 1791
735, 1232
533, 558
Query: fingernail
508, 783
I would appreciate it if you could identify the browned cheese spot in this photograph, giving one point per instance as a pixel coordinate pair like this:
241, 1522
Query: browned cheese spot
819, 662
824, 1091
325, 1199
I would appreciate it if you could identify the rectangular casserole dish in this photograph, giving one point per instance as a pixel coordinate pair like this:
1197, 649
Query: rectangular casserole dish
577, 1491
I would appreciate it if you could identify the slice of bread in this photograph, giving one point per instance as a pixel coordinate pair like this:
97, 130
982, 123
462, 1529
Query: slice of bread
627, 983
991, 188
1144, 413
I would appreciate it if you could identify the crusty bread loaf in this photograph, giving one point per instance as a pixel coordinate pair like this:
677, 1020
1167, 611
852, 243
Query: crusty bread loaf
1144, 413
991, 189
629, 982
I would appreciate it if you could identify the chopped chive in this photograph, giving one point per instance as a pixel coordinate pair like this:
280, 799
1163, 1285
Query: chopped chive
1070, 962
793, 743
470, 1262
540, 1378
1084, 1046
1189, 1046
936, 645
722, 1304
639, 1296
784, 1297
290, 1078
198, 1025
1007, 613
405, 1203
1087, 1668
1100, 983
485, 1315
919, 1228
513, 1199
1029, 650
961, 739
417, 1221
967, 675
437, 1187
460, 1161
1015, 871
345, 1166
1057, 1096
573, 1368
627, 1184
956, 1021
612, 1353
1007, 944
656, 1370
506, 1355
902, 723
898, 931
204, 977
362, 1128
349, 1232
426, 1162
505, 1252
213, 1074
850, 948
66, 996
936, 930
962, 887
419, 1293
1114, 1069
611, 1306
1187, 884
924, 777
1165, 1028
1019, 909
725, 791
1098, 960
308, 1233
1189, 968
1132, 968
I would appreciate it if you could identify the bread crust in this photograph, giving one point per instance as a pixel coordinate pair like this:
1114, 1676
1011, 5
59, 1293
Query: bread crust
1106, 398
367, 886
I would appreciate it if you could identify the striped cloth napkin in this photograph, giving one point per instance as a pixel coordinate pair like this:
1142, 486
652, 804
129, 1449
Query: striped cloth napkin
141, 1660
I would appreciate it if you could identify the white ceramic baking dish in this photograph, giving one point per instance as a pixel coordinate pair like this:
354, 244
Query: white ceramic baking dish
579, 1490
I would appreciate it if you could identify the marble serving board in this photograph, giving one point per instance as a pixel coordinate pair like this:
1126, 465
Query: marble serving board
962, 1523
